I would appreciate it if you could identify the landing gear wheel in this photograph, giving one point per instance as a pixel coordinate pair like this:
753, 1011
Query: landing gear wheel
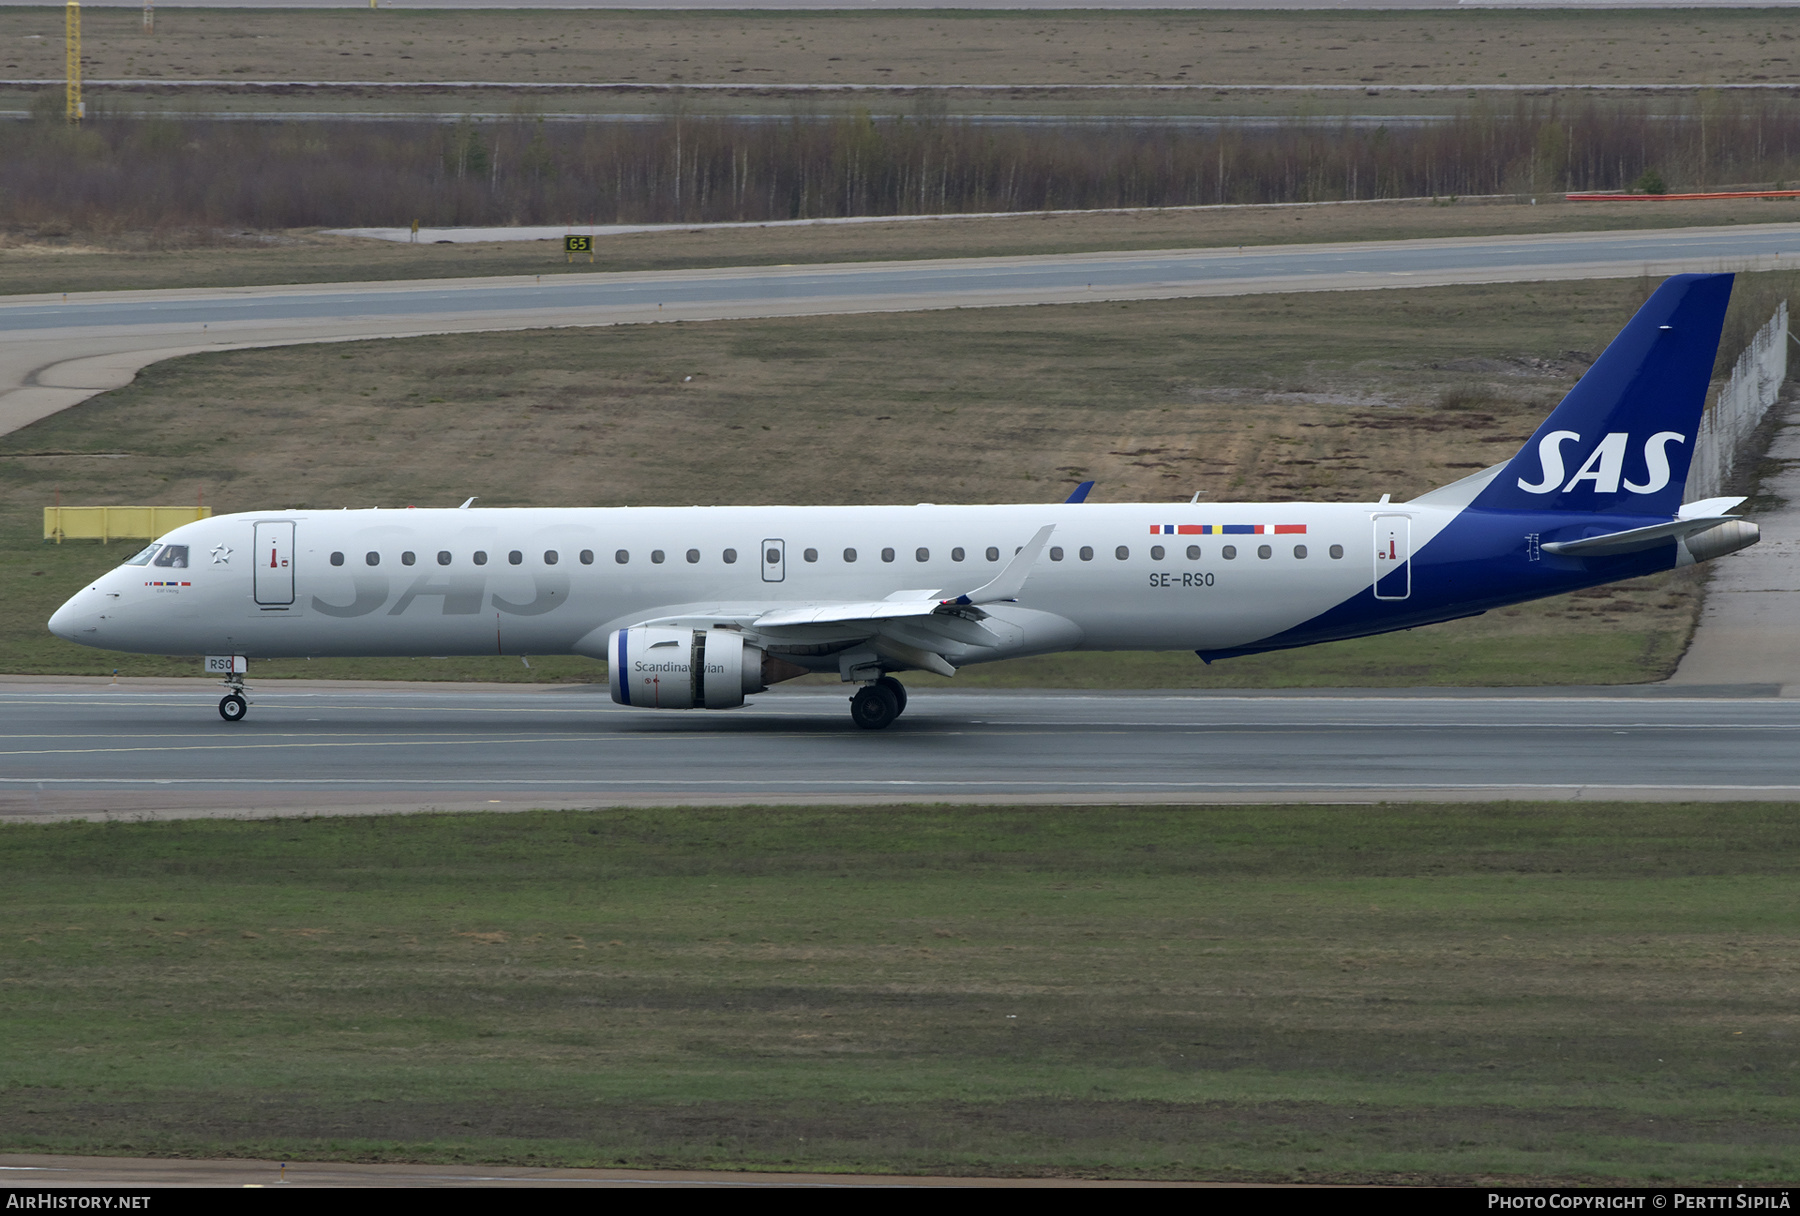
874, 707
233, 708
897, 688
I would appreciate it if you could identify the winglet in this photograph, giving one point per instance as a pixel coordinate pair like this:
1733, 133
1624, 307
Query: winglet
1081, 492
1010, 581
466, 505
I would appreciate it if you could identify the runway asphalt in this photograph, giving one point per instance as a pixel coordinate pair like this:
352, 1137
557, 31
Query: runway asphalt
73, 750
56, 351
1035, 5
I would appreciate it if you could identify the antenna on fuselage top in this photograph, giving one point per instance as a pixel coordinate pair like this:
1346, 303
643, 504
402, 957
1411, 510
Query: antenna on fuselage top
465, 505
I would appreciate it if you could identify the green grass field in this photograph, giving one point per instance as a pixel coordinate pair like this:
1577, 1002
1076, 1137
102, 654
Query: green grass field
1385, 993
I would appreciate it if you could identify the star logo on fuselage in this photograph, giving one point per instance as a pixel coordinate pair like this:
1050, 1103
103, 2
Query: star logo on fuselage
221, 555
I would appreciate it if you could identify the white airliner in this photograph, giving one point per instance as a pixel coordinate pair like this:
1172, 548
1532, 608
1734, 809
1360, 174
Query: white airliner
700, 607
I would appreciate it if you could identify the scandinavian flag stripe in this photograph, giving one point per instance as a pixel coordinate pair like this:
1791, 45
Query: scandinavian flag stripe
1227, 529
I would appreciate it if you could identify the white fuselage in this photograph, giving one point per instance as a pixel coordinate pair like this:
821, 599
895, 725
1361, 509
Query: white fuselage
550, 580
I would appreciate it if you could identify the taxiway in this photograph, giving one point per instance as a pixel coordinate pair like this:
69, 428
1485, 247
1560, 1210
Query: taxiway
56, 351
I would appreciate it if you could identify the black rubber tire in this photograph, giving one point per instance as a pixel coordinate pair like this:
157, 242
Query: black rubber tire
233, 708
874, 707
898, 689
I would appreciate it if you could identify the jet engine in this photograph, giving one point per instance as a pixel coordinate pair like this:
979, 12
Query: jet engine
663, 667
1728, 537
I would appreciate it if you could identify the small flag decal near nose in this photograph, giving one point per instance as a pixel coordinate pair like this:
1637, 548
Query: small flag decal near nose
1228, 529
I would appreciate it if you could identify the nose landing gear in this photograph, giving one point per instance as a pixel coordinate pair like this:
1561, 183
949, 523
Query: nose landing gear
233, 706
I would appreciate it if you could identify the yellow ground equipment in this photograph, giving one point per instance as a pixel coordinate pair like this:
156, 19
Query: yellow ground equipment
116, 523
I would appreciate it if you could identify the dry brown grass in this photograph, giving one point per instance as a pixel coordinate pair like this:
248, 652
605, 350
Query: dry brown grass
923, 48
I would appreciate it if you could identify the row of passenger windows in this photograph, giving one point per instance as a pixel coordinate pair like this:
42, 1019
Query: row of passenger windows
480, 557
516, 557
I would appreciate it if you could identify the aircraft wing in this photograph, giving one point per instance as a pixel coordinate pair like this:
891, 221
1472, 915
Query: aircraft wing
927, 609
917, 628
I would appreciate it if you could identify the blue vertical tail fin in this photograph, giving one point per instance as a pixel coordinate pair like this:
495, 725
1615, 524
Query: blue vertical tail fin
1621, 441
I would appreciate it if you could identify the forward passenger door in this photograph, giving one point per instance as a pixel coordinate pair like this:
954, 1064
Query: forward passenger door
274, 562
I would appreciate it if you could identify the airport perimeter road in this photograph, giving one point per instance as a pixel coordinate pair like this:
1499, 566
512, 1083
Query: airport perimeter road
93, 751
56, 351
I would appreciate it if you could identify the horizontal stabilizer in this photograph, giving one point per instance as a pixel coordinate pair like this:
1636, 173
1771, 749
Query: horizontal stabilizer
1634, 539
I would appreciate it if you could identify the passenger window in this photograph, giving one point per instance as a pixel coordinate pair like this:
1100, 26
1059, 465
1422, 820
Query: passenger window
1337, 551
408, 558
1264, 552
1122, 553
481, 557
1229, 552
693, 557
956, 555
993, 553
1156, 553
443, 557
849, 555
773, 557
621, 557
923, 555
656, 557
550, 557
143, 556
515, 557
1300, 551
175, 556
1087, 553
811, 555
587, 557
730, 557
337, 559
887, 555
1193, 553
1056, 553
372, 557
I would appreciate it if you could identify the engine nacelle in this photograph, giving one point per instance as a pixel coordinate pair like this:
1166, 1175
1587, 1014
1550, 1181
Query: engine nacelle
661, 667
1717, 541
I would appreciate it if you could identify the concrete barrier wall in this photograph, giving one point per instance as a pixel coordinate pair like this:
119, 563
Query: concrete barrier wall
116, 523
1739, 409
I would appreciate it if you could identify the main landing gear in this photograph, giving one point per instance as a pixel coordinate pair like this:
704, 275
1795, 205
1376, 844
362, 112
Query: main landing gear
876, 705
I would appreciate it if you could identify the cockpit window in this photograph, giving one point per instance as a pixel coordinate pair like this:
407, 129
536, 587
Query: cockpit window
173, 555
143, 558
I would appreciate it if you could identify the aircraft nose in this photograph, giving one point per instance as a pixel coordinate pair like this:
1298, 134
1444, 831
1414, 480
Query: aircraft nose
69, 621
